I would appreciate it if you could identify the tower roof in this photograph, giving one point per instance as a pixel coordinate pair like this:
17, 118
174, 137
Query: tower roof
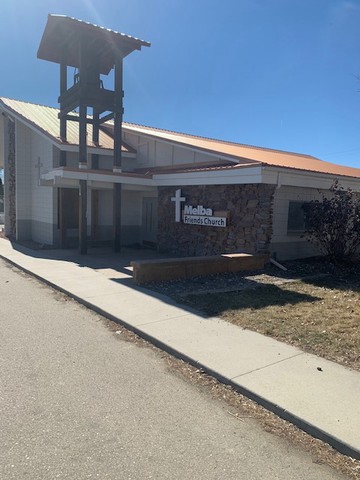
63, 35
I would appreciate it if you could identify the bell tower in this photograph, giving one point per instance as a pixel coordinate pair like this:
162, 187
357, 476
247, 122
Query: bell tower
93, 51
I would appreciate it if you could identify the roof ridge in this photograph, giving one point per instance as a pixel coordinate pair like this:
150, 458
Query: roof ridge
226, 142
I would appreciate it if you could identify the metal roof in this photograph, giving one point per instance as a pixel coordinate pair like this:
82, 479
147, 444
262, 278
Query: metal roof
46, 120
237, 151
63, 35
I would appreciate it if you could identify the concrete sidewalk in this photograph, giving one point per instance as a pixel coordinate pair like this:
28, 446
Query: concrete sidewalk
324, 402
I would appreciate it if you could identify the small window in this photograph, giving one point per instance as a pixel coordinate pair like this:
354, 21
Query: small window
296, 218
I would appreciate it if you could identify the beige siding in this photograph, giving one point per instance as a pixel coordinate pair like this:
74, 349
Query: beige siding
2, 142
183, 155
42, 198
164, 154
154, 153
34, 204
23, 175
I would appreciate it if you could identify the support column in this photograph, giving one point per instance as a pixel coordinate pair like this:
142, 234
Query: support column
117, 217
63, 129
83, 217
82, 183
95, 138
118, 113
82, 137
62, 227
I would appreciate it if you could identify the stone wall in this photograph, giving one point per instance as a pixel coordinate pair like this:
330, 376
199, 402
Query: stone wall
249, 226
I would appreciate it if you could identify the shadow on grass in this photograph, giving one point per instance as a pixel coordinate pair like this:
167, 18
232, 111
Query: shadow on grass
256, 299
338, 281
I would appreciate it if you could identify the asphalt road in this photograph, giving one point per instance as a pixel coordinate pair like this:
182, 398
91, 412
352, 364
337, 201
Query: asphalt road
78, 402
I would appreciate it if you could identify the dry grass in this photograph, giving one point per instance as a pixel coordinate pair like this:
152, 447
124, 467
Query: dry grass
320, 316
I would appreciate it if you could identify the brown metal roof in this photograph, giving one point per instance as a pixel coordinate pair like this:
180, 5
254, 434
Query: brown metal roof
63, 35
46, 120
265, 156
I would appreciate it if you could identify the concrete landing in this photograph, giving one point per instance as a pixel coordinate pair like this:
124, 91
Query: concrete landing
319, 396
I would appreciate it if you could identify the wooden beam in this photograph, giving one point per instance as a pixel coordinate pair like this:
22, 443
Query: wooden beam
63, 120
83, 158
82, 136
74, 118
95, 139
118, 111
96, 126
106, 118
61, 195
93, 96
63, 78
68, 108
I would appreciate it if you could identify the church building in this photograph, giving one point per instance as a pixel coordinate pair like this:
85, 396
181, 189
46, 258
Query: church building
75, 178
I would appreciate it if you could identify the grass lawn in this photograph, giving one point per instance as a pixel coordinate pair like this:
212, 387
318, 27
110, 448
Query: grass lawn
321, 316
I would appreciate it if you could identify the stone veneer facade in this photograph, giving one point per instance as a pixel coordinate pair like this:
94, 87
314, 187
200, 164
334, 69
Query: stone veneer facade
249, 227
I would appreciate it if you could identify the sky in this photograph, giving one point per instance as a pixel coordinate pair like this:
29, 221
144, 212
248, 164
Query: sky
281, 74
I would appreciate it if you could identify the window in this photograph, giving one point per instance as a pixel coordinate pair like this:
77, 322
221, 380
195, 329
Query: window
296, 218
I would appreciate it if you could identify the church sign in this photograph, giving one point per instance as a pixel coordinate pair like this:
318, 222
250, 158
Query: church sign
196, 215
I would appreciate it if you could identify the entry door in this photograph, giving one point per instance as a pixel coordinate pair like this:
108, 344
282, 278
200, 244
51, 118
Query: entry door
69, 217
149, 220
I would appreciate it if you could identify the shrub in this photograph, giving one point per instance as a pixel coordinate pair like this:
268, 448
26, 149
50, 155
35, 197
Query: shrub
333, 224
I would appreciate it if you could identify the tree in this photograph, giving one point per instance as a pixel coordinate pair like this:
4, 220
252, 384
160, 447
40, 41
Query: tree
333, 224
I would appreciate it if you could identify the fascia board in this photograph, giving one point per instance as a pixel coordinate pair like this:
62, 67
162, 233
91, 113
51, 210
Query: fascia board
222, 177
144, 188
95, 184
299, 178
96, 177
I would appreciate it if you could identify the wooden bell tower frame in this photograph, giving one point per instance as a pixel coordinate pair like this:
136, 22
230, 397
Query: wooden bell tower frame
93, 51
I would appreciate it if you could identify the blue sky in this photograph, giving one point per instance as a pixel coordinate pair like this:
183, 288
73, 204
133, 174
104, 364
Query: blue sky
273, 73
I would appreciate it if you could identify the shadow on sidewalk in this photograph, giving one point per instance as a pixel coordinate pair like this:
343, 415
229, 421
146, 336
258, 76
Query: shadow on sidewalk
98, 258
116, 268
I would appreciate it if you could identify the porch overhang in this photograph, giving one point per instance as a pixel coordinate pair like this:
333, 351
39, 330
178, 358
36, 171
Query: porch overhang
63, 176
